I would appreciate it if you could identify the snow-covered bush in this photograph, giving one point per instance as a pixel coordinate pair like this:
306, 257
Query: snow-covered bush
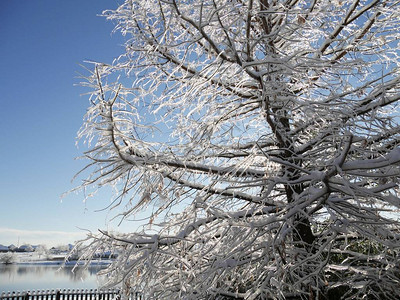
8, 258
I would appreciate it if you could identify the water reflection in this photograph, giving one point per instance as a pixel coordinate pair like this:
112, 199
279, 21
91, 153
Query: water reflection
24, 277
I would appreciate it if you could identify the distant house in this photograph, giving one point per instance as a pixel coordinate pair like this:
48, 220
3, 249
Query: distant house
58, 250
61, 249
25, 248
12, 248
54, 250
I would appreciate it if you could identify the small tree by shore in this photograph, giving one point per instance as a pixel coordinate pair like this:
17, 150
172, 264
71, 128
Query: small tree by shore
8, 258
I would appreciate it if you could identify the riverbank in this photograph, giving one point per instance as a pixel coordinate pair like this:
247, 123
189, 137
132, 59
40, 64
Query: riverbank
32, 258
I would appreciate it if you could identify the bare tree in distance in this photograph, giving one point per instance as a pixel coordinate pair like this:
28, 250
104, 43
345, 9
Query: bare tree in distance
263, 137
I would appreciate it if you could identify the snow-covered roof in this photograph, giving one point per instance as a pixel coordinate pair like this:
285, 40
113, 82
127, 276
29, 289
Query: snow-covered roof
12, 247
26, 248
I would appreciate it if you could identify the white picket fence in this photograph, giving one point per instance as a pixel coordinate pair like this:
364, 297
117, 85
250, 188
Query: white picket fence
67, 294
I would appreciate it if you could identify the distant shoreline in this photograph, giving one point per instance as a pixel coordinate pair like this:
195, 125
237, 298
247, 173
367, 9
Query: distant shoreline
58, 260
61, 262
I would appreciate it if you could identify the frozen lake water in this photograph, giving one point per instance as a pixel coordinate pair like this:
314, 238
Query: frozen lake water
24, 277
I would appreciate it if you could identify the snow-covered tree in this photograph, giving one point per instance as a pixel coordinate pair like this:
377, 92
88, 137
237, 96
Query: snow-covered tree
8, 258
42, 251
263, 138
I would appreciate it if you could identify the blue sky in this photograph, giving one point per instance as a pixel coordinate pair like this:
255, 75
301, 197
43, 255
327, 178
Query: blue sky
42, 44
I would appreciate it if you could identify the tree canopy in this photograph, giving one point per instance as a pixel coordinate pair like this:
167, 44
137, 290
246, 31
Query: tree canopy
263, 136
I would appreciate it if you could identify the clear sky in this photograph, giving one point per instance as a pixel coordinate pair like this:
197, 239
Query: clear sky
42, 43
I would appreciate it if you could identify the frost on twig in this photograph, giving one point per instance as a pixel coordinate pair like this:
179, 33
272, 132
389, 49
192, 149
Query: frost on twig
263, 136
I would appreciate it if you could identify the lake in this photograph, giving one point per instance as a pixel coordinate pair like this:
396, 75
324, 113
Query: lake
24, 277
